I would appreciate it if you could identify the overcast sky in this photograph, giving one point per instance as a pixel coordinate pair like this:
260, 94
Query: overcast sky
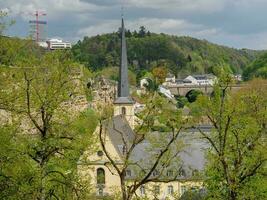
234, 23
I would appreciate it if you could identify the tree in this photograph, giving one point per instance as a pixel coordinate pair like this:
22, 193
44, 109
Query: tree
150, 49
237, 158
3, 22
47, 132
159, 74
258, 68
161, 116
192, 95
142, 31
181, 101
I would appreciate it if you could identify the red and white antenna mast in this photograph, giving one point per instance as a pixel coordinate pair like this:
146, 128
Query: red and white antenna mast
36, 24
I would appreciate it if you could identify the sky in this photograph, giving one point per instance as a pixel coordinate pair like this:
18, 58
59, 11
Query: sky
233, 23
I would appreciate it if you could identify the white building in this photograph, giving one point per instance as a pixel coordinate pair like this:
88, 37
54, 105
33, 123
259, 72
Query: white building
54, 44
238, 77
170, 78
143, 83
206, 79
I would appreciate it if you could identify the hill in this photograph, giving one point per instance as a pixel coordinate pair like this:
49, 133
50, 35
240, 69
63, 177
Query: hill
258, 68
181, 55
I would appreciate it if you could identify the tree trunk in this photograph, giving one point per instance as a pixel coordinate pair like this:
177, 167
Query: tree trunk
126, 194
123, 189
42, 184
233, 195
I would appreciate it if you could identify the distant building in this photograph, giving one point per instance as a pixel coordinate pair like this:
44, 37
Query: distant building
238, 77
206, 79
43, 44
170, 78
54, 44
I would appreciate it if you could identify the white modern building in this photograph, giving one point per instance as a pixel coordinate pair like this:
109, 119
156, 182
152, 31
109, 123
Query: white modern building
54, 44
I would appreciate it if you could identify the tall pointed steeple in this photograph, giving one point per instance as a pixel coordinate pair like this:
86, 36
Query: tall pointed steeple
124, 104
123, 86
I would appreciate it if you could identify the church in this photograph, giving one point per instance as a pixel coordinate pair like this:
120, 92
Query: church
117, 135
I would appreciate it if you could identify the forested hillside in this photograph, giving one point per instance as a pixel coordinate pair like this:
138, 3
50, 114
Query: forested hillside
257, 68
181, 55
17, 52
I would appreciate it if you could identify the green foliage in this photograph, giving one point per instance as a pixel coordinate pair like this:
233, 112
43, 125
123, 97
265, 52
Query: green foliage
257, 68
17, 52
4, 22
46, 138
152, 85
181, 101
112, 73
193, 195
159, 73
192, 95
237, 157
181, 55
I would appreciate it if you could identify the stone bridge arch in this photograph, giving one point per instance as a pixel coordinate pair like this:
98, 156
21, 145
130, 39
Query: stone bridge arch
183, 90
205, 89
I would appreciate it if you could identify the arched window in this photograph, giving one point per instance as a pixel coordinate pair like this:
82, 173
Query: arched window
100, 191
170, 173
156, 189
155, 173
100, 176
170, 189
123, 110
142, 190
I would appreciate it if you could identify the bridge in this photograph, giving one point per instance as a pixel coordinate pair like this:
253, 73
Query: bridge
205, 89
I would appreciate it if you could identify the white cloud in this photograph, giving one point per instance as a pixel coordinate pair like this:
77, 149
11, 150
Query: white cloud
180, 5
256, 41
221, 21
53, 8
157, 25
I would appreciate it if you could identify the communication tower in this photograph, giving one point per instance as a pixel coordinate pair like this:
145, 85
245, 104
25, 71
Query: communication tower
38, 27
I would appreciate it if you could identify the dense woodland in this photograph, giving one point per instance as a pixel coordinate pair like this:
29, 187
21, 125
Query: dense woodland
180, 55
257, 68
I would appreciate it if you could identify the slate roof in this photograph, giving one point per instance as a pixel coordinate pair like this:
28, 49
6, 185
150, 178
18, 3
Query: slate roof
124, 100
192, 157
118, 130
204, 76
123, 86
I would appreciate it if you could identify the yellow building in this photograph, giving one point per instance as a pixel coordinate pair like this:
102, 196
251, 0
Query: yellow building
116, 136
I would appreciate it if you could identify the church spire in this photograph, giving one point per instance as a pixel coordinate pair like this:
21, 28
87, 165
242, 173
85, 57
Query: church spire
123, 86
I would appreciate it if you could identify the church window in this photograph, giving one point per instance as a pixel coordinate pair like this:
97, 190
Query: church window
100, 191
123, 110
142, 190
100, 153
128, 173
183, 189
124, 149
155, 173
169, 173
157, 189
100, 176
170, 189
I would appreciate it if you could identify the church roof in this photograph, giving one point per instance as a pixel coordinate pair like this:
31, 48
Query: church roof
192, 156
124, 100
